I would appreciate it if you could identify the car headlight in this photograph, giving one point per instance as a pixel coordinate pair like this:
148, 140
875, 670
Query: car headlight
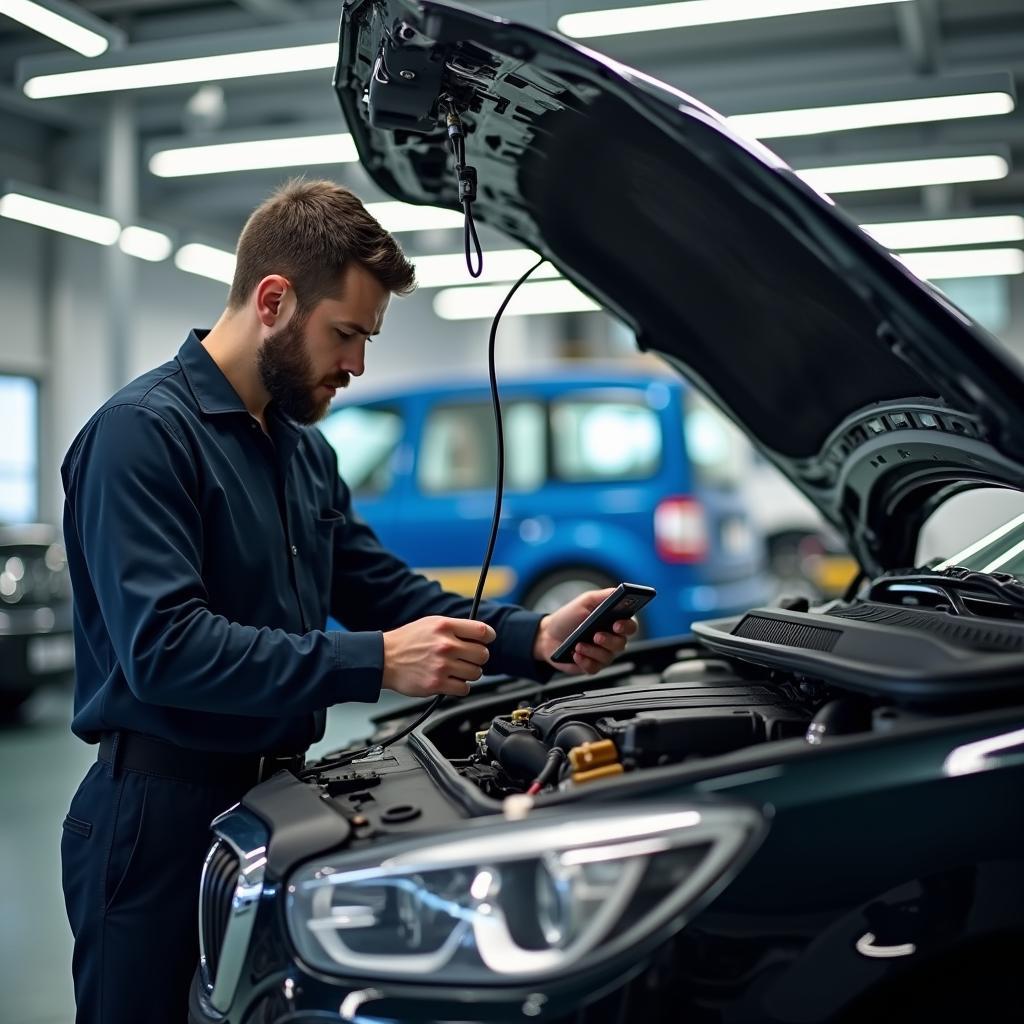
515, 900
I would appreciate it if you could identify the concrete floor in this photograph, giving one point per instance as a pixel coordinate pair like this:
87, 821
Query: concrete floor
41, 765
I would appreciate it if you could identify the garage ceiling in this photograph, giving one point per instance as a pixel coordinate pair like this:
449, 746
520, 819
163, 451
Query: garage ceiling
826, 58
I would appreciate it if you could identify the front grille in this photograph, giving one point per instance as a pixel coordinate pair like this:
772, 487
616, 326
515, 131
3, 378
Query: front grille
220, 879
790, 634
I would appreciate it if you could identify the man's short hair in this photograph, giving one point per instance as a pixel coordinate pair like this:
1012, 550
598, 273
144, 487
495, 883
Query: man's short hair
307, 231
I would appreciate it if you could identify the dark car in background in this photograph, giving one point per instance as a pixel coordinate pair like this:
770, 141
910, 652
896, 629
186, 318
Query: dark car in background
800, 814
613, 472
36, 644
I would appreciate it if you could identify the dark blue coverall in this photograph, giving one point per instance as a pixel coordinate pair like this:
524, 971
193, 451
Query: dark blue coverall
205, 558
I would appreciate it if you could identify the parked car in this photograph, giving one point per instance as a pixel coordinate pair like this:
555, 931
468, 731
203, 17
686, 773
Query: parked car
36, 645
612, 473
804, 813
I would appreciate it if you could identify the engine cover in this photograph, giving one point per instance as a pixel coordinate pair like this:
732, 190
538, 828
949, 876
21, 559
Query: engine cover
672, 721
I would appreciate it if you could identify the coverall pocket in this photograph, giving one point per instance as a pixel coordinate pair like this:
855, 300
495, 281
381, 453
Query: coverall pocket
323, 560
125, 835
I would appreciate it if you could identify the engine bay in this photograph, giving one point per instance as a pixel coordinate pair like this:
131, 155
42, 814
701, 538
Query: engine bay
772, 675
696, 708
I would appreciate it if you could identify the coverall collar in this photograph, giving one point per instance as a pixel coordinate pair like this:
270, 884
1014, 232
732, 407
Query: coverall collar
215, 395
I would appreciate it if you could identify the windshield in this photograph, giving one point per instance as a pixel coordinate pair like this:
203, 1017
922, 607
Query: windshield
1001, 550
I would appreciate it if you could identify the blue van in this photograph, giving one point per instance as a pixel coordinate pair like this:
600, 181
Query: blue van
612, 473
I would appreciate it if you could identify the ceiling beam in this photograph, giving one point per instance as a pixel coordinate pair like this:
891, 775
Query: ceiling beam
920, 34
273, 10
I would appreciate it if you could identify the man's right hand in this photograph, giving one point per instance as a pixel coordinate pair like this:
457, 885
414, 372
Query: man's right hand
435, 655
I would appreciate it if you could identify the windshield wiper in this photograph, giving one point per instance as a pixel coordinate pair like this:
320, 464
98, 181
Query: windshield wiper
953, 585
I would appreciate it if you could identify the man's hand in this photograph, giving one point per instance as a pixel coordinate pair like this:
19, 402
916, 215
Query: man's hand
435, 655
589, 658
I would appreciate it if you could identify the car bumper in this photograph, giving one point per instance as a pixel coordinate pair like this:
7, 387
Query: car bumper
36, 646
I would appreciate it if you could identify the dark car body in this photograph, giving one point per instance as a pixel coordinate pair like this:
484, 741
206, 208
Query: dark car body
797, 815
36, 645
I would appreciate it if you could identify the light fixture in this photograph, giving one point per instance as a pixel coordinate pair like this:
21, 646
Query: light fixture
942, 265
931, 234
333, 148
500, 265
904, 173
145, 244
398, 217
64, 23
654, 17
45, 213
217, 67
206, 261
777, 124
479, 302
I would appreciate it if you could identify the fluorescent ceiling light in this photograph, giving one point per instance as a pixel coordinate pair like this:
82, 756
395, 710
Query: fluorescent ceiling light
930, 234
654, 17
503, 265
65, 219
61, 29
479, 303
778, 124
311, 57
936, 266
206, 261
145, 244
334, 148
394, 216
904, 173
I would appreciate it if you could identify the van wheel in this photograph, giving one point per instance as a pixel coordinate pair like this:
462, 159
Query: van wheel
550, 592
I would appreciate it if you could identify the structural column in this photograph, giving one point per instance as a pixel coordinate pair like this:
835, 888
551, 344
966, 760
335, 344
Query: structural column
121, 201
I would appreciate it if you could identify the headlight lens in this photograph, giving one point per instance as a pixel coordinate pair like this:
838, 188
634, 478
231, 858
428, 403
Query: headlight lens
516, 900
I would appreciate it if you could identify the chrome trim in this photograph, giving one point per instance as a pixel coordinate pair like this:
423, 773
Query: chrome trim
248, 837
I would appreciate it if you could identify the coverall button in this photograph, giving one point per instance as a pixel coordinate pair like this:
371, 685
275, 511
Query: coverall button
295, 550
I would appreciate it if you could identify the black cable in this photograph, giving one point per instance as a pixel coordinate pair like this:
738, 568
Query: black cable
467, 190
499, 491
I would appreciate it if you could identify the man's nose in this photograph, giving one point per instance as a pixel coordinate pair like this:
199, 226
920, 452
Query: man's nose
355, 362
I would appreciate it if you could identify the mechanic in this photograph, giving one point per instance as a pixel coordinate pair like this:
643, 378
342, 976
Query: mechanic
209, 536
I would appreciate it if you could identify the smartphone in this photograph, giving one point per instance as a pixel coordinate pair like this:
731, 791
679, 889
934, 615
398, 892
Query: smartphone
623, 603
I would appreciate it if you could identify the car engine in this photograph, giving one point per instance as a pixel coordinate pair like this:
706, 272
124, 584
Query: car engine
693, 709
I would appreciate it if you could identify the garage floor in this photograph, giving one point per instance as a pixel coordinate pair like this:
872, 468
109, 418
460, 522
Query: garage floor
41, 764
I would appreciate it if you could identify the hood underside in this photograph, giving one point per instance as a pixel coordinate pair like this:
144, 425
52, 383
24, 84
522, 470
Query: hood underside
871, 392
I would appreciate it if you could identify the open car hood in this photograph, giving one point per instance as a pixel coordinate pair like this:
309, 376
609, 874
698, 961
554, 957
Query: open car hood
870, 391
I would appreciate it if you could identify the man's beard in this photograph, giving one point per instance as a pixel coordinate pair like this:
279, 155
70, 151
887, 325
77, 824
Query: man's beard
287, 373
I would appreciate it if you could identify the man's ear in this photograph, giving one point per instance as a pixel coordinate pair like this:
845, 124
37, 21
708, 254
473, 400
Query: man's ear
271, 297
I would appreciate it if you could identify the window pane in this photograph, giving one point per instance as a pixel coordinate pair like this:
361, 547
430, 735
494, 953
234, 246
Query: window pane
459, 450
19, 446
616, 439
365, 440
717, 450
526, 457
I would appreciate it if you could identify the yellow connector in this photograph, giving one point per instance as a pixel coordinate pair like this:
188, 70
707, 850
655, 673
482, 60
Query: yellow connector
592, 755
481, 736
597, 760
598, 773
521, 715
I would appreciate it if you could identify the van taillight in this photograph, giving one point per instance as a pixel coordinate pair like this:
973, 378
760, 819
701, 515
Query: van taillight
681, 530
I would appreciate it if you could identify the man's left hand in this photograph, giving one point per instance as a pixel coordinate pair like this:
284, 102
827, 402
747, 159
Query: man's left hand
588, 658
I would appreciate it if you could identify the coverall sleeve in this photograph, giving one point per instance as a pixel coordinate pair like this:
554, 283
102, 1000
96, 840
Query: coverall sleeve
131, 490
373, 589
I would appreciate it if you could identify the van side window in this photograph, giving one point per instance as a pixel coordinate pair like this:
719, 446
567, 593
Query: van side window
718, 452
613, 439
365, 440
459, 452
